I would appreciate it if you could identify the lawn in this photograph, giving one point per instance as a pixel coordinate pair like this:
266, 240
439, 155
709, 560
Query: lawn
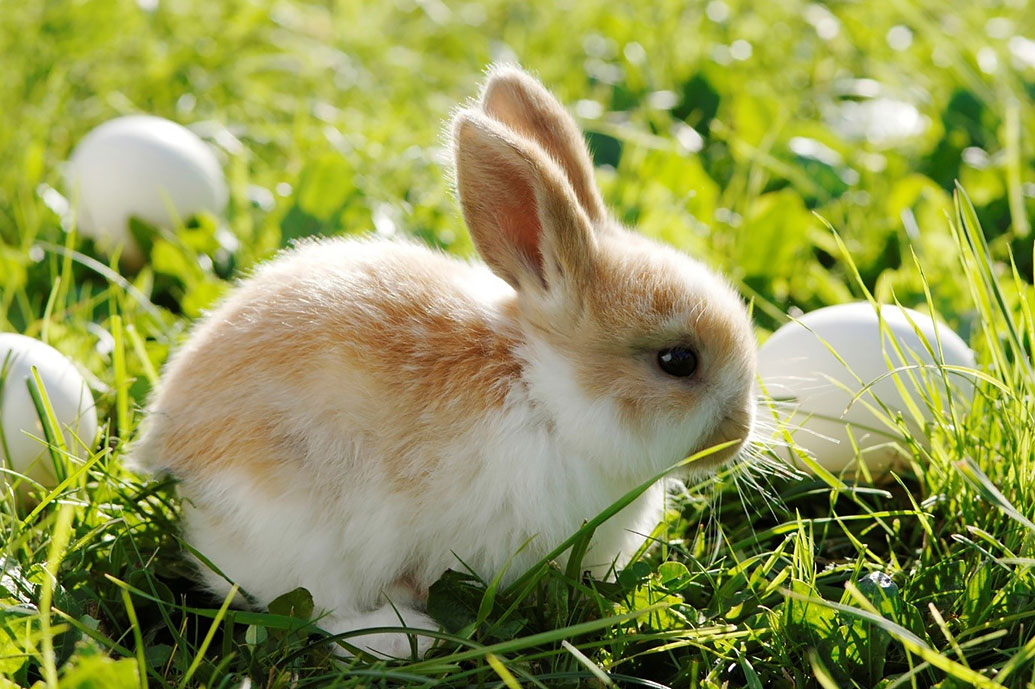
816, 153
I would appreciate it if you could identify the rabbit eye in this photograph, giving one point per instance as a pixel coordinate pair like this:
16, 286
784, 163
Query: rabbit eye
678, 361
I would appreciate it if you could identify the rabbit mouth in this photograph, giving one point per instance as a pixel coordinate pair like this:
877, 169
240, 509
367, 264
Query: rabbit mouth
734, 428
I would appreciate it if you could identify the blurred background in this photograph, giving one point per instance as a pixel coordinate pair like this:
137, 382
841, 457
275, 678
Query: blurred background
727, 128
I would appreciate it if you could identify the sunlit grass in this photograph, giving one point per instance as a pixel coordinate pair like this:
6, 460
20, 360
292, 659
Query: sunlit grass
717, 127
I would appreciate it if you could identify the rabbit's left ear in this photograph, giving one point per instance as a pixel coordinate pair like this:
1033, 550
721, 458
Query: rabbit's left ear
521, 211
518, 101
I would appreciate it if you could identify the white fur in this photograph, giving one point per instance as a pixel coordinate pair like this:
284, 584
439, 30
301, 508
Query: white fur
593, 427
349, 555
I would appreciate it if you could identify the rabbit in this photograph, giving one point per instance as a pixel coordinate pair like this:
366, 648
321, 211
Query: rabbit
360, 415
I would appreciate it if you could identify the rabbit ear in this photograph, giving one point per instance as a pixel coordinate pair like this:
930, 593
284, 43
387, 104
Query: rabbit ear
523, 104
521, 211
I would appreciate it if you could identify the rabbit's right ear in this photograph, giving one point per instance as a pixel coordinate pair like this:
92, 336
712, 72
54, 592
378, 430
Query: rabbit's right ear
523, 104
522, 213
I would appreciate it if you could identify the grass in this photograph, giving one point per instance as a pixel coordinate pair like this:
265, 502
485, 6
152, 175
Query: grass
724, 128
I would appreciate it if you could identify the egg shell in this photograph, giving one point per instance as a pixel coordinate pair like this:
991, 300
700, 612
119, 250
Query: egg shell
796, 365
145, 167
70, 399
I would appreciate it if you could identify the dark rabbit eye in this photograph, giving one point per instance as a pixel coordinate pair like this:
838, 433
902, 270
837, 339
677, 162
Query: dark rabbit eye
678, 361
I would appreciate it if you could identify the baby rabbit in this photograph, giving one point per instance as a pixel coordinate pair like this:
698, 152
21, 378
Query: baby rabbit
360, 413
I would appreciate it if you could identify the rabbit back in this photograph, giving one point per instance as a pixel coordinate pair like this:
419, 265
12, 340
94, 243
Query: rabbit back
337, 334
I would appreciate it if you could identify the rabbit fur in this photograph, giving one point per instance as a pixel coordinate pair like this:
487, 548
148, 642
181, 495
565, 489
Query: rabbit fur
360, 415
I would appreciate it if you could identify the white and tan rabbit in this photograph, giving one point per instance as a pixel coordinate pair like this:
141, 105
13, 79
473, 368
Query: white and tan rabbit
359, 414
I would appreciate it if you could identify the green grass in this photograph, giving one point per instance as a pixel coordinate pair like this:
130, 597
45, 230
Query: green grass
328, 116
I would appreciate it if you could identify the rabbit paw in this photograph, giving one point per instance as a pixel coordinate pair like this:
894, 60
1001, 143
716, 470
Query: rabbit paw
398, 645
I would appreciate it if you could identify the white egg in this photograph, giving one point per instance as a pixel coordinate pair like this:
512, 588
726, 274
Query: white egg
815, 389
23, 434
145, 167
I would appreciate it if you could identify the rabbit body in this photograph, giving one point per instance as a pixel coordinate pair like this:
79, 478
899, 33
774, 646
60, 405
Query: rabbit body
360, 415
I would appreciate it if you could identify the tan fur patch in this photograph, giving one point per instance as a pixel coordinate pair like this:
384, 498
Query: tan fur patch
406, 589
359, 344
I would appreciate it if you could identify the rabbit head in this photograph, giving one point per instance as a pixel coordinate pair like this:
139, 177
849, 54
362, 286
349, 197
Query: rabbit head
638, 352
